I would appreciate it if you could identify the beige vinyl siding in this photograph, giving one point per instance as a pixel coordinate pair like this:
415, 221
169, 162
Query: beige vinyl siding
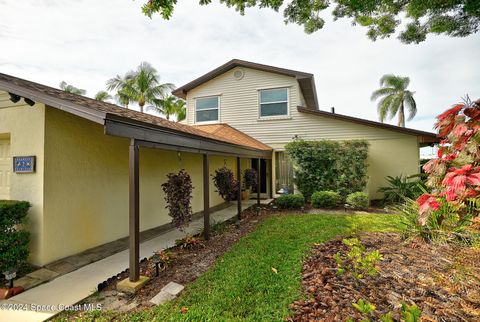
239, 101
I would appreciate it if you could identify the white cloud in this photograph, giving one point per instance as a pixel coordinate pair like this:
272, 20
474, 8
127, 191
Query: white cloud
86, 42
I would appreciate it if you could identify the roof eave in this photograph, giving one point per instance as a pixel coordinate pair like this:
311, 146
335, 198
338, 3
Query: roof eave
76, 109
424, 137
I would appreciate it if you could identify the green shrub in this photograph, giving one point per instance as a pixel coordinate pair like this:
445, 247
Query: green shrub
401, 187
329, 165
358, 200
325, 199
444, 225
13, 239
293, 201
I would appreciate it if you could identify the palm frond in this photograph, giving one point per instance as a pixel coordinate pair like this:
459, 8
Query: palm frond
410, 104
382, 92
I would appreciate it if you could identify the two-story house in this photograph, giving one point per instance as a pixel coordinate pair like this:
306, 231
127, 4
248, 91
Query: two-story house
93, 170
275, 105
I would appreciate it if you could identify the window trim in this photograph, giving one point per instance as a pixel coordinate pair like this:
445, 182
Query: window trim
273, 117
218, 96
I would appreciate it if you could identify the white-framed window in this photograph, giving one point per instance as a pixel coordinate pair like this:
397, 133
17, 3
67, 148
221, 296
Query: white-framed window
273, 102
207, 109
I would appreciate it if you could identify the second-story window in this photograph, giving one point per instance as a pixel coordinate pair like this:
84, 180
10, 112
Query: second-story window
274, 102
206, 109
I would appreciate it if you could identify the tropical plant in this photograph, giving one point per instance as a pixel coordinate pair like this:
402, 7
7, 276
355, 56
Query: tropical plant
226, 184
145, 86
454, 176
71, 89
395, 98
168, 106
329, 165
103, 96
399, 188
382, 17
178, 196
119, 83
141, 86
443, 225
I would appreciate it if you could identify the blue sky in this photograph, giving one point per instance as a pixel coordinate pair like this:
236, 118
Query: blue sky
86, 42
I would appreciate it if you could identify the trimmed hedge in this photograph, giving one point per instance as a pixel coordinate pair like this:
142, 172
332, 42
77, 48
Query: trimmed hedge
325, 199
329, 165
358, 200
13, 239
293, 201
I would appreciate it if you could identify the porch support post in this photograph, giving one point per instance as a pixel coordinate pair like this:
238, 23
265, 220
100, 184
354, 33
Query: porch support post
271, 179
134, 209
259, 173
206, 198
239, 192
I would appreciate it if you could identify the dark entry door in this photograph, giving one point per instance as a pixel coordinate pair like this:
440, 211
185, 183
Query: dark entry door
263, 175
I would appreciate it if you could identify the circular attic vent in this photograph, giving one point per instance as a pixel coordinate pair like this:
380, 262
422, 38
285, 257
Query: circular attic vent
238, 74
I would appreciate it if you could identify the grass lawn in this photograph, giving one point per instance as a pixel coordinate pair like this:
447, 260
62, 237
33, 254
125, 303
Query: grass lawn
242, 284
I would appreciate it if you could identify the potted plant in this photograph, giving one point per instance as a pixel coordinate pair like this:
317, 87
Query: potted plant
249, 181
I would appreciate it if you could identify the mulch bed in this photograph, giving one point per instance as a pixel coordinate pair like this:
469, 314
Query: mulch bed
442, 280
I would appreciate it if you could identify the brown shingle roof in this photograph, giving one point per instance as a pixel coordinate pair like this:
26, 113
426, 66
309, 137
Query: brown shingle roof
234, 135
90, 105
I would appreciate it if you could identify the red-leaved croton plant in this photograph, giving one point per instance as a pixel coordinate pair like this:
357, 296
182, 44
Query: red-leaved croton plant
455, 175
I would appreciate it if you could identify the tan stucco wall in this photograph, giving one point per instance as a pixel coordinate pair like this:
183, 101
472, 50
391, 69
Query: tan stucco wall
86, 185
24, 125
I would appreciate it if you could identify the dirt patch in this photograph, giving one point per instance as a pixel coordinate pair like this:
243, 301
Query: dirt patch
442, 280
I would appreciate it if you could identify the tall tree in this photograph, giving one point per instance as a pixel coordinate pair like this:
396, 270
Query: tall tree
103, 96
395, 98
141, 86
455, 18
119, 83
71, 89
169, 106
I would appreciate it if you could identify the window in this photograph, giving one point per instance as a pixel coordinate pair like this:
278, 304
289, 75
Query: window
207, 109
273, 102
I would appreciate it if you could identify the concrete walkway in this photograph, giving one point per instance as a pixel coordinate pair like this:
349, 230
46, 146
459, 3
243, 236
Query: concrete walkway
46, 300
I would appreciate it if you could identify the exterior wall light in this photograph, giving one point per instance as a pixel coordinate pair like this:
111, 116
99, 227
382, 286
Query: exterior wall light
14, 98
29, 101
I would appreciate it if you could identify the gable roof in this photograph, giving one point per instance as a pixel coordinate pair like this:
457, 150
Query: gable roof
305, 80
234, 135
424, 137
103, 112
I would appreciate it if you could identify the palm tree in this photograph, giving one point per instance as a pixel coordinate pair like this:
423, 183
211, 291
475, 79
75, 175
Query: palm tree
395, 98
169, 106
119, 83
71, 89
182, 113
143, 85
103, 96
